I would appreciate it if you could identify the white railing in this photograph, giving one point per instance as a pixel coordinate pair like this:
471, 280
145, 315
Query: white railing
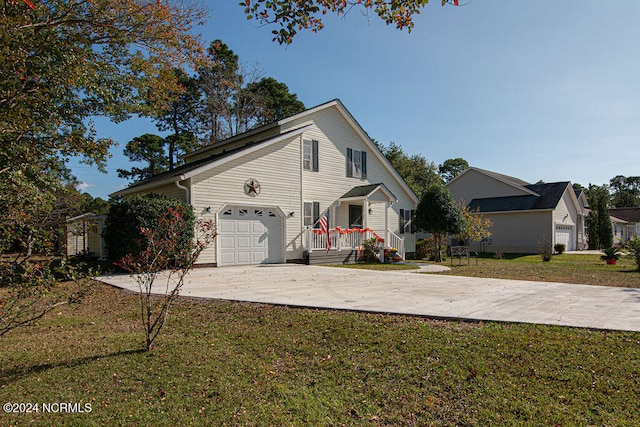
340, 239
397, 242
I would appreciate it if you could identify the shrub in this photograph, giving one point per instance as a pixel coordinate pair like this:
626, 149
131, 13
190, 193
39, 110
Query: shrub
425, 249
127, 217
371, 250
545, 248
633, 246
560, 248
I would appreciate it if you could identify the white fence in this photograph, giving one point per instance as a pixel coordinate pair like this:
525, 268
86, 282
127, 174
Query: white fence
349, 239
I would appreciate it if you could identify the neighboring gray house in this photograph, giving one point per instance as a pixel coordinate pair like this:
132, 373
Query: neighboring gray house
267, 188
523, 214
626, 224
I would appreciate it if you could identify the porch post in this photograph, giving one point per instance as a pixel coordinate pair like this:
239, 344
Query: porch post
386, 222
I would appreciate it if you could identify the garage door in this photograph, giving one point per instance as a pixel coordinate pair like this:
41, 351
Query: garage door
564, 234
250, 235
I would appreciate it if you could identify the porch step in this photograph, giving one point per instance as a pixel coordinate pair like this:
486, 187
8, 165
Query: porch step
333, 257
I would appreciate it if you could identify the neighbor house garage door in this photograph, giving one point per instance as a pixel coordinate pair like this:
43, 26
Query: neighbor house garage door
250, 235
564, 234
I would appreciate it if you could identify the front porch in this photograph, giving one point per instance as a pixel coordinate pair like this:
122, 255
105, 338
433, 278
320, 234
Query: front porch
346, 244
360, 214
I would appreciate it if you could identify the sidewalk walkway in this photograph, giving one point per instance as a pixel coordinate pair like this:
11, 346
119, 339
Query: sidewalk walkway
427, 295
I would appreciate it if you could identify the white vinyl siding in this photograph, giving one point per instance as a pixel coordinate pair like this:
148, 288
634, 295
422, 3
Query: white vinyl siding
279, 179
334, 136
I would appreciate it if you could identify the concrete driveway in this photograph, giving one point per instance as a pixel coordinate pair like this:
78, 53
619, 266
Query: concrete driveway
436, 296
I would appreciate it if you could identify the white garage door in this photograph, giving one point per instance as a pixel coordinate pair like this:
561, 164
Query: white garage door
564, 234
250, 235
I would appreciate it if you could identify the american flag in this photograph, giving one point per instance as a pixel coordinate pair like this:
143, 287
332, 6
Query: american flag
324, 226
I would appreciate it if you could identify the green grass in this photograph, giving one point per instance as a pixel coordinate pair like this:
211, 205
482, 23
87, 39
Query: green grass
220, 363
566, 268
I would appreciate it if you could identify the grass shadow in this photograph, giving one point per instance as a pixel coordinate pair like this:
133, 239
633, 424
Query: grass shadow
15, 374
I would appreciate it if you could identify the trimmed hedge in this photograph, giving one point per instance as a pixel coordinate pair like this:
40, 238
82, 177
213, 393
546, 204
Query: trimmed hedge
127, 216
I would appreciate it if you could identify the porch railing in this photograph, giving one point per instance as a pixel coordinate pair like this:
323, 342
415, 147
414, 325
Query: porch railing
348, 239
397, 242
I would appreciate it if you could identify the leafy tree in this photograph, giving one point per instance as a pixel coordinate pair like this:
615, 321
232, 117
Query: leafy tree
475, 226
452, 168
438, 214
147, 148
416, 171
292, 16
273, 101
181, 117
625, 191
598, 221
63, 62
220, 80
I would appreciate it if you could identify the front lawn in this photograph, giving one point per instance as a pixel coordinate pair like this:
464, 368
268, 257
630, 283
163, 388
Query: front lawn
566, 268
226, 363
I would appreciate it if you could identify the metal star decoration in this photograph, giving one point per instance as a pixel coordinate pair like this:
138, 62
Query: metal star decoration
252, 187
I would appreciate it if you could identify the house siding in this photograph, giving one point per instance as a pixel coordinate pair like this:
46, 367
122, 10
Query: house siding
476, 185
277, 169
334, 136
509, 236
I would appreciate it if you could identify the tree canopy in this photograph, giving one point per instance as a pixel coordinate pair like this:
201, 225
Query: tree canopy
438, 214
452, 168
625, 191
416, 171
293, 16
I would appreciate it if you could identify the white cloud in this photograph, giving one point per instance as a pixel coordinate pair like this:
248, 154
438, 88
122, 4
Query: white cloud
83, 186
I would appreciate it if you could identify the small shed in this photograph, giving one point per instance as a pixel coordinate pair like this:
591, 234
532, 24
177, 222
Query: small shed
84, 235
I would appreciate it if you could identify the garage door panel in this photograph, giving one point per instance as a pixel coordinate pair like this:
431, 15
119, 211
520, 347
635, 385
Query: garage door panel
250, 236
227, 242
243, 226
243, 242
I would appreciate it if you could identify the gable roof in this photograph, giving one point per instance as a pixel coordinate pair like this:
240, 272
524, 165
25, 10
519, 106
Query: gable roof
367, 190
626, 214
188, 170
509, 180
545, 197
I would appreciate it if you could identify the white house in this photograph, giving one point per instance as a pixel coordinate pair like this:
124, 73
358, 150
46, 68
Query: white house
268, 188
523, 214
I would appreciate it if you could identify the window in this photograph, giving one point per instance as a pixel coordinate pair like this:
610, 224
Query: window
311, 214
310, 155
406, 221
356, 163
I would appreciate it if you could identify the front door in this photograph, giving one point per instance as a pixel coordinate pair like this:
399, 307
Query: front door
355, 216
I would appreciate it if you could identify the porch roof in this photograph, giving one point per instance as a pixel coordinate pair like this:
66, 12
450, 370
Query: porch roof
367, 191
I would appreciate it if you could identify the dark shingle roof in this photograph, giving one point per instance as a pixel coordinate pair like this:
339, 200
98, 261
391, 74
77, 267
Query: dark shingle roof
627, 214
361, 190
549, 196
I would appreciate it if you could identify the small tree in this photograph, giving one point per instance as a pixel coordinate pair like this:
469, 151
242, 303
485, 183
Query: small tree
438, 214
163, 259
475, 227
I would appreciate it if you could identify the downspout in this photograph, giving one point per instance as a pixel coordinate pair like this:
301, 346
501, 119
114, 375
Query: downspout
182, 187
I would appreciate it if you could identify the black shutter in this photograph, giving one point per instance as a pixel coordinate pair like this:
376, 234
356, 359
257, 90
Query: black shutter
316, 213
401, 221
364, 164
314, 156
413, 215
349, 162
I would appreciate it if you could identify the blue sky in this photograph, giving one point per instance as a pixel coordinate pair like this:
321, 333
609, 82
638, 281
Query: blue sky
538, 89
